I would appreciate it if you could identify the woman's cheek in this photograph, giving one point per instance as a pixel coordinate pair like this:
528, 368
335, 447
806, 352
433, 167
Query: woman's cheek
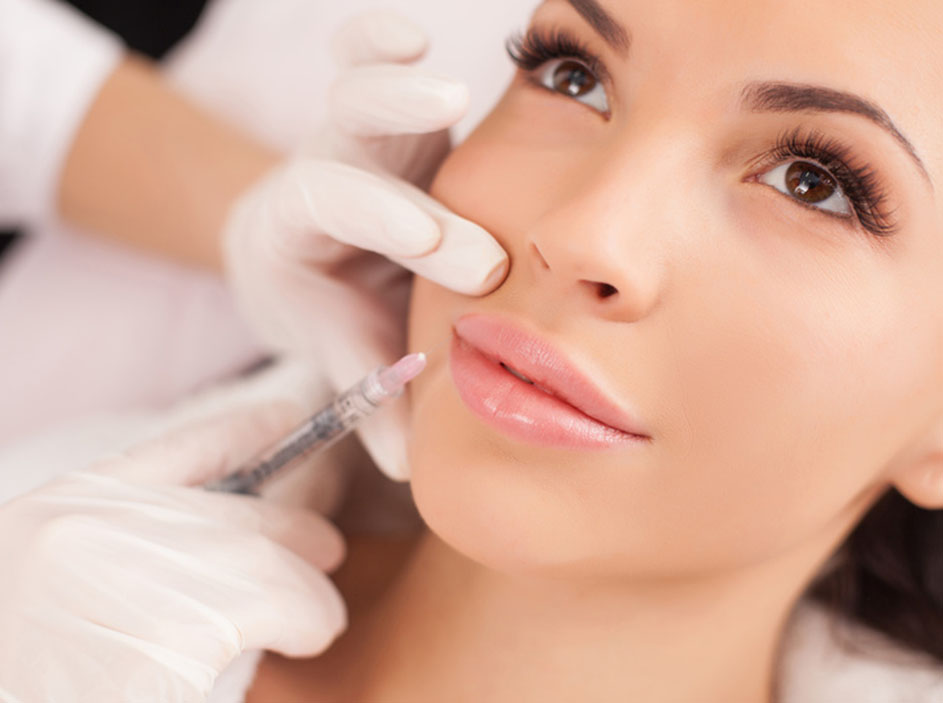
503, 159
428, 316
467, 178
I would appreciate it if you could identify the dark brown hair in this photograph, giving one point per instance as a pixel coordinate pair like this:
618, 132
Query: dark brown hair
888, 574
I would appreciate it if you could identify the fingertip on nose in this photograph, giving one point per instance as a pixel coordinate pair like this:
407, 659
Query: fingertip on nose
475, 277
498, 274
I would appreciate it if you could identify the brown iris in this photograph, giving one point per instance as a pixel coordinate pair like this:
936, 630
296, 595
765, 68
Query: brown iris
809, 182
573, 79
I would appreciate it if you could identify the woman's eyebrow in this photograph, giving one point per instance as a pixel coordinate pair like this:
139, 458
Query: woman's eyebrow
778, 96
614, 34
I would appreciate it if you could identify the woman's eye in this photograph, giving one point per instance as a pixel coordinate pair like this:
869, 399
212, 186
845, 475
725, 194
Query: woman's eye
575, 80
810, 184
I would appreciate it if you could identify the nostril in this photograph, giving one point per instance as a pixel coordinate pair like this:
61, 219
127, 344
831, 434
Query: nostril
606, 290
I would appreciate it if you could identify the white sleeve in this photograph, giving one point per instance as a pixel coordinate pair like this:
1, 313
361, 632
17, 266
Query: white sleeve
53, 60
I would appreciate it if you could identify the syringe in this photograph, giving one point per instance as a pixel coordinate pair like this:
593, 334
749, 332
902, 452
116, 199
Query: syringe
326, 426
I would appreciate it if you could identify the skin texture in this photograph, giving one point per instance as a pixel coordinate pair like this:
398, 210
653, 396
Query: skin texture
781, 359
786, 363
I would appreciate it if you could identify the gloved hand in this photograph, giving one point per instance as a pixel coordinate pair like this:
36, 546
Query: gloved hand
123, 583
300, 244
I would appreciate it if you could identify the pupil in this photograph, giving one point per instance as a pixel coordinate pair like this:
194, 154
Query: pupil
809, 182
573, 79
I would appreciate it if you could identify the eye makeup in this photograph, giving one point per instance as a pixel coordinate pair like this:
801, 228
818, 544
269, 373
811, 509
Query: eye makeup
858, 182
536, 46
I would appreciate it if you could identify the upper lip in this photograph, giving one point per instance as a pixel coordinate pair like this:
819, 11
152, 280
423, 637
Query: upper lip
549, 368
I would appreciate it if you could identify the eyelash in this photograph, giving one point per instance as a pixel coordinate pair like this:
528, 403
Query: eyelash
534, 48
860, 184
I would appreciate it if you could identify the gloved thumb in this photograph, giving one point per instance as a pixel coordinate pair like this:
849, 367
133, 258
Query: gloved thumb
207, 450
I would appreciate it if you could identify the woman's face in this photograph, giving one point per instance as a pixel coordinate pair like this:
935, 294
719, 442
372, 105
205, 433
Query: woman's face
780, 345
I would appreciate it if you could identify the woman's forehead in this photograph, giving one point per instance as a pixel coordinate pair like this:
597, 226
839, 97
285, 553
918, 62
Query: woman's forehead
884, 29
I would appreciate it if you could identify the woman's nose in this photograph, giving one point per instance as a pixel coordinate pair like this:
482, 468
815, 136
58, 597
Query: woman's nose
595, 254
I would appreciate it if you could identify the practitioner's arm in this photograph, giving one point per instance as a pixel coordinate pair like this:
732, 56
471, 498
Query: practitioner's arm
150, 168
299, 244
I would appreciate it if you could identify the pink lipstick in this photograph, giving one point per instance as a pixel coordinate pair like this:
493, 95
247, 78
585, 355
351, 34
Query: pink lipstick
522, 386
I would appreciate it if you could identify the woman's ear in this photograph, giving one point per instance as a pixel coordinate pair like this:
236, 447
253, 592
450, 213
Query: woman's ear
923, 486
919, 476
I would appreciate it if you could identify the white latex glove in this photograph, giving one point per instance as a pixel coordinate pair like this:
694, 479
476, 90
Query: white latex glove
121, 583
300, 244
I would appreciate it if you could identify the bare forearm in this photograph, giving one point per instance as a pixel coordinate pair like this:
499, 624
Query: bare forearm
150, 169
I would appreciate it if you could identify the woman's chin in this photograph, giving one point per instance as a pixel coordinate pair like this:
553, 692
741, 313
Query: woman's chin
488, 503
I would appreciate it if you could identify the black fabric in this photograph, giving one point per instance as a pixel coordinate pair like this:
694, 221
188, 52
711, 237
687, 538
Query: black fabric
6, 241
150, 27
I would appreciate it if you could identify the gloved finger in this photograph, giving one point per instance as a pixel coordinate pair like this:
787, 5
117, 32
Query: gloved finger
305, 532
194, 455
311, 614
207, 600
313, 197
316, 203
146, 509
383, 100
378, 36
384, 435
468, 260
358, 351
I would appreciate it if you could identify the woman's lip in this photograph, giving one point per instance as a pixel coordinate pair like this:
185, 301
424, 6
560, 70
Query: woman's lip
573, 411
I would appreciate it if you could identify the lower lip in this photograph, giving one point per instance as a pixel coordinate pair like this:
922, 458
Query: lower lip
521, 410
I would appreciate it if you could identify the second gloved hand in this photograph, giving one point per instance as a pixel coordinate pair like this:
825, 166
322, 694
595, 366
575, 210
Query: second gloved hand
319, 253
126, 582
